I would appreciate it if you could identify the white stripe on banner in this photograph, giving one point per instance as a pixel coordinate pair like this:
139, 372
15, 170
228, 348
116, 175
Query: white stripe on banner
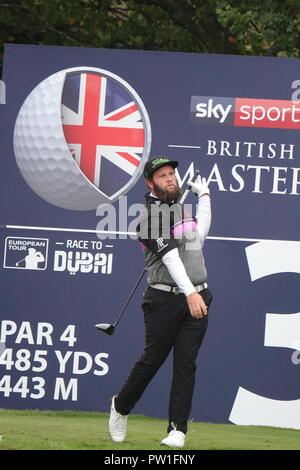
115, 232
185, 146
62, 229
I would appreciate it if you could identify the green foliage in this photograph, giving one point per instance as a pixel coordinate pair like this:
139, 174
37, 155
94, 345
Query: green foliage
270, 28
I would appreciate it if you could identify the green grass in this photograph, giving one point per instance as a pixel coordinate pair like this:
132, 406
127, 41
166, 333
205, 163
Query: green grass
68, 430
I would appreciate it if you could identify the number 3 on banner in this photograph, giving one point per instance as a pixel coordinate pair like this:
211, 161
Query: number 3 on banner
281, 330
22, 386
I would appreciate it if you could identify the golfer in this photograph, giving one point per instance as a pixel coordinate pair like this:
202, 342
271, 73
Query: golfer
176, 301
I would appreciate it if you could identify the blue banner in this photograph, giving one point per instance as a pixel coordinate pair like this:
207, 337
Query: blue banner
77, 126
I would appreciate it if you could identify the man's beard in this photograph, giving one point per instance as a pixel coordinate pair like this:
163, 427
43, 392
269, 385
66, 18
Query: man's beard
167, 196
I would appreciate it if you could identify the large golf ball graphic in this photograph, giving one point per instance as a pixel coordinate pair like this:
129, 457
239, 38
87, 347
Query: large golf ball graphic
81, 138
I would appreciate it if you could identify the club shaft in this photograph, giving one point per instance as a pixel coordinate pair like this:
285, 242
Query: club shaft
187, 191
130, 296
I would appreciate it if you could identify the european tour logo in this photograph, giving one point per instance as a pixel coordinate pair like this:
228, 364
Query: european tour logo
245, 112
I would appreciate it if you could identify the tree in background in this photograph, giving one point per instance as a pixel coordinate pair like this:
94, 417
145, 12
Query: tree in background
271, 27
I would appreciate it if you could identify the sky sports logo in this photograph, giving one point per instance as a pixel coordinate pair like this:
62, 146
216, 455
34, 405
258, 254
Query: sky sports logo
245, 112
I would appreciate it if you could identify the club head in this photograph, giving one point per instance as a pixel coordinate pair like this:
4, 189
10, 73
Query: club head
106, 328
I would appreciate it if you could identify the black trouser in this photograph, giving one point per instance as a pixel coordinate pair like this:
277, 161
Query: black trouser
168, 324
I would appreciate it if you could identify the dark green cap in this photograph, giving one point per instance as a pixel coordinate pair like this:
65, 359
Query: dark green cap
157, 162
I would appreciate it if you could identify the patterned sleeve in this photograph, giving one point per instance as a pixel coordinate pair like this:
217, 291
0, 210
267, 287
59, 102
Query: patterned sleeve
154, 230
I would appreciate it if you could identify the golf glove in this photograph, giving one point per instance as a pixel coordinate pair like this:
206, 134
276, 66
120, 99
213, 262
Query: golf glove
199, 186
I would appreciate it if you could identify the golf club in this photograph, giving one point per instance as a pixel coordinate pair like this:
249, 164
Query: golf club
109, 328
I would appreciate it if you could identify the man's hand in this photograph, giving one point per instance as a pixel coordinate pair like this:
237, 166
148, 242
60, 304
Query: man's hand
199, 186
197, 306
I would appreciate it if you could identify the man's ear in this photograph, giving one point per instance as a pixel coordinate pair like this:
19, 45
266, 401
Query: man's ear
149, 183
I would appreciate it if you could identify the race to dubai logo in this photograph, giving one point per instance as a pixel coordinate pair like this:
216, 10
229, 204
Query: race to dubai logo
81, 138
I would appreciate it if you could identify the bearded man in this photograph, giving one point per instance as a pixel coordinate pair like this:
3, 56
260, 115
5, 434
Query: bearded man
176, 301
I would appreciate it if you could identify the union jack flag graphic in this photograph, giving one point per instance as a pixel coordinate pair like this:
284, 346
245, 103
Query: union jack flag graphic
104, 129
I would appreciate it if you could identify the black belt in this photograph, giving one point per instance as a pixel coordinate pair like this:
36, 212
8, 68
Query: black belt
175, 289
